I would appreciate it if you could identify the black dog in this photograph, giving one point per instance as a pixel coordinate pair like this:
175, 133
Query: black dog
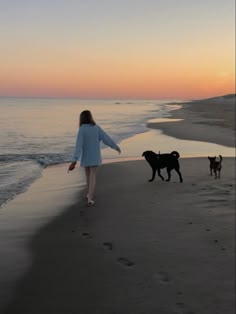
215, 166
160, 161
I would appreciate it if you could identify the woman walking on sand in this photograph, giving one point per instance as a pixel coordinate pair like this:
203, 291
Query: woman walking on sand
88, 150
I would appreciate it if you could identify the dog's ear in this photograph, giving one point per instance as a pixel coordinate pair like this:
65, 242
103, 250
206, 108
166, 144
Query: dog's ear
143, 154
209, 158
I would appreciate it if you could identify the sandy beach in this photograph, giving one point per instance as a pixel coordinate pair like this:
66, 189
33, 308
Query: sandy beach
160, 247
209, 120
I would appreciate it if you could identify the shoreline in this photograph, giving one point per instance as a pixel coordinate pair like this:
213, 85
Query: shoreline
170, 127
122, 245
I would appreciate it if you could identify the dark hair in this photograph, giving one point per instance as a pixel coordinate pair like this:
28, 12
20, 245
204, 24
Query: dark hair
86, 118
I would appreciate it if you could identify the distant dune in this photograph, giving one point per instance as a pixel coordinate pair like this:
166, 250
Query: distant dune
228, 97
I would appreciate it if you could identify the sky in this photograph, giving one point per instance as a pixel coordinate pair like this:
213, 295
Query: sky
117, 49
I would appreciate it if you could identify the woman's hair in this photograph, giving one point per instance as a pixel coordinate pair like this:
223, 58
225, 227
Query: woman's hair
86, 118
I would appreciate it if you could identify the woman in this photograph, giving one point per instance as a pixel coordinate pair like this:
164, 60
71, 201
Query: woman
88, 150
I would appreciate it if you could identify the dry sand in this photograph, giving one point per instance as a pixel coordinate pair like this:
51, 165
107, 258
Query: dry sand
144, 247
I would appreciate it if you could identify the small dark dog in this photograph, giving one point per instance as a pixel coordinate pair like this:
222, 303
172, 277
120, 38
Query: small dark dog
215, 166
160, 161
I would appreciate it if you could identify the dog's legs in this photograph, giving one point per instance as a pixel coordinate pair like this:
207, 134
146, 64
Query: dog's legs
215, 174
169, 174
180, 175
219, 174
153, 174
159, 174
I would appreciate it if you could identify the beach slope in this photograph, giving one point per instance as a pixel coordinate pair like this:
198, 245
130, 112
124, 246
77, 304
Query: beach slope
160, 247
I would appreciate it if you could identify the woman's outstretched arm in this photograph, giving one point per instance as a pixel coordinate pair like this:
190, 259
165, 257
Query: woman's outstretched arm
107, 140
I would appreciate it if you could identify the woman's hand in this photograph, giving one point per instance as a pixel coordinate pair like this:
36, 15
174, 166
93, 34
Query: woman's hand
72, 166
118, 149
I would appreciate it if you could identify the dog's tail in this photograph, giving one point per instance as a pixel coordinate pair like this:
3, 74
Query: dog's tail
175, 154
221, 158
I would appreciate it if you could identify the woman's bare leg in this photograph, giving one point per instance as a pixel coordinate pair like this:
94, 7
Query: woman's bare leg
87, 174
92, 182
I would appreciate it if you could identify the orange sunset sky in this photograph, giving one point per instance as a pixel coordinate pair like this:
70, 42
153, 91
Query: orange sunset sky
149, 49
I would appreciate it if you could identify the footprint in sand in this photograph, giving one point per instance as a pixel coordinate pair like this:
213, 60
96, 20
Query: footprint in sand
164, 277
228, 185
179, 293
108, 245
86, 235
183, 309
125, 261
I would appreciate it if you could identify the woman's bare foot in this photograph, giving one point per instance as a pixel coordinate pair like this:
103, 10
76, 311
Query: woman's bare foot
91, 202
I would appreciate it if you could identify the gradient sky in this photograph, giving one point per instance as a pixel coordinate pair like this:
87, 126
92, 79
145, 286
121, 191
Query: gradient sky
151, 49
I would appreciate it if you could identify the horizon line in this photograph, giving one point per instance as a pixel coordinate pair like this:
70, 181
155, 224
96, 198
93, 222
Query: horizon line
118, 99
